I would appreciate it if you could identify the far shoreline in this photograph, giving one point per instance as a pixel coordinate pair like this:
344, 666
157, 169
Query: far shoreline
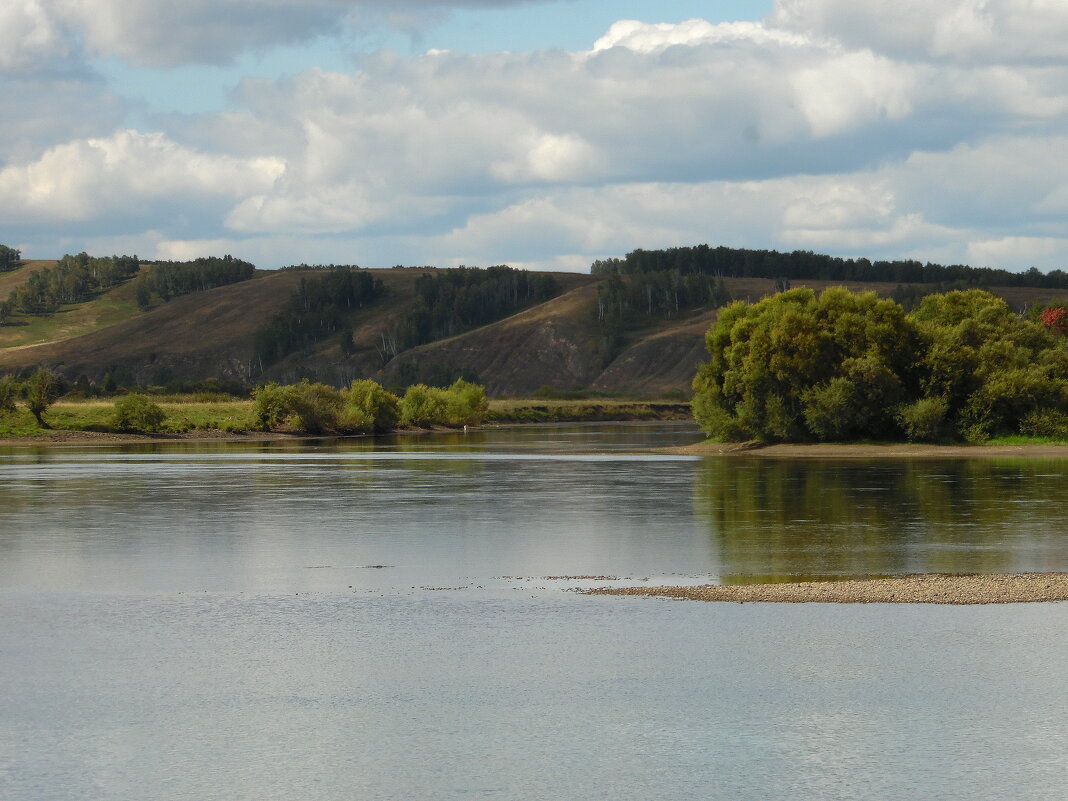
903, 450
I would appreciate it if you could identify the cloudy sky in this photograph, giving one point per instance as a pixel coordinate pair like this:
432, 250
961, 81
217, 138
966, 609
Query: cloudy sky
540, 133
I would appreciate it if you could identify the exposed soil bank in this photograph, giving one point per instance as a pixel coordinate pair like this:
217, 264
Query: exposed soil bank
846, 451
1013, 588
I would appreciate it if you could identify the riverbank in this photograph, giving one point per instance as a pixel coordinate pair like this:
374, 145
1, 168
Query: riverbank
1005, 588
87, 422
865, 451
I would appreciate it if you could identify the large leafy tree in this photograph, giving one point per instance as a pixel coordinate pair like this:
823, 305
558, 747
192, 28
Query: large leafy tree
840, 366
796, 367
40, 391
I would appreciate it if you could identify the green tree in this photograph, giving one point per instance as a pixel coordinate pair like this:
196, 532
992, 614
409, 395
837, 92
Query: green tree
9, 392
40, 391
136, 412
10, 258
843, 366
369, 407
795, 366
274, 405
423, 406
466, 403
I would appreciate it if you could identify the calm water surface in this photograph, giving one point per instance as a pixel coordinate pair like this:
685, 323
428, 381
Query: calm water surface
390, 619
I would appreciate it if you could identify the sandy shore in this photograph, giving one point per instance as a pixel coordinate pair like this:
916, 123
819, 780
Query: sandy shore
897, 451
919, 589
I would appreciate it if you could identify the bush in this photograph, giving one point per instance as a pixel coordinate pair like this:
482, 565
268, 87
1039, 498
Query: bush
369, 407
1045, 423
924, 420
9, 392
137, 412
423, 406
466, 403
274, 405
317, 407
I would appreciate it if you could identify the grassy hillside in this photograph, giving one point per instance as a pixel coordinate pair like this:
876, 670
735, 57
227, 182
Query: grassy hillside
557, 344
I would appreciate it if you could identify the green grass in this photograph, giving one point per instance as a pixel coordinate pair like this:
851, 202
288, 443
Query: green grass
109, 308
1020, 439
96, 415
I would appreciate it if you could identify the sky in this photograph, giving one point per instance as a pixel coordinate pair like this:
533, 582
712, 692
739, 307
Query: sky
539, 133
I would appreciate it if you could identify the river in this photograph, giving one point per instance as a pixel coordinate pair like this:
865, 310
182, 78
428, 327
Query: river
392, 619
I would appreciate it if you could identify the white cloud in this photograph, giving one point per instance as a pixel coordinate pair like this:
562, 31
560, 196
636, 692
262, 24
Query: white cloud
31, 33
795, 132
972, 31
170, 32
101, 178
649, 37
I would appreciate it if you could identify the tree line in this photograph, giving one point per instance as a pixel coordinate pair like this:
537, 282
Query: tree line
804, 264
841, 366
318, 308
449, 302
74, 279
623, 305
169, 279
10, 258
80, 277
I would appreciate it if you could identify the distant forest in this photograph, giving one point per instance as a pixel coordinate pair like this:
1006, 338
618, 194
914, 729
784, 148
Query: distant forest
317, 309
803, 264
169, 279
447, 302
81, 277
74, 279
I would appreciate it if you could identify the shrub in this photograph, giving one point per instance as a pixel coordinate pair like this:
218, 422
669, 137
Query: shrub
137, 412
924, 420
369, 407
1045, 423
424, 406
9, 392
466, 403
317, 407
274, 405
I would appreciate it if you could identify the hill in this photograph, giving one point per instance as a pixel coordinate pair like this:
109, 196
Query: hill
558, 343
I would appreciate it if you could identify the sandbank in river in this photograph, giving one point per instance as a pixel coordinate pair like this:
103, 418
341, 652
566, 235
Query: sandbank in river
1006, 588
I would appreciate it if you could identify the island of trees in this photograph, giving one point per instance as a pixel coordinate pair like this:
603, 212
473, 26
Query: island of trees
840, 366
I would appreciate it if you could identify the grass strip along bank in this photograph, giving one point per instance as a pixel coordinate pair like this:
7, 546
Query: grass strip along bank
299, 409
1005, 588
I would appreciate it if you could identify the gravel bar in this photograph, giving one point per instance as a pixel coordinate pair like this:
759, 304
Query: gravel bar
1006, 588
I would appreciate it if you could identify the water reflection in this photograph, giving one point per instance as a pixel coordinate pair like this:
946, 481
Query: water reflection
793, 520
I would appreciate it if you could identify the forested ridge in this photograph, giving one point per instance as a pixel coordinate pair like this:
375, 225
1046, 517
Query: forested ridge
80, 277
449, 302
74, 279
169, 279
318, 308
803, 264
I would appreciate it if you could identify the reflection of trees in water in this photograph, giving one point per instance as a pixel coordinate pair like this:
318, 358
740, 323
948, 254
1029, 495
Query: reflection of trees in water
785, 520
